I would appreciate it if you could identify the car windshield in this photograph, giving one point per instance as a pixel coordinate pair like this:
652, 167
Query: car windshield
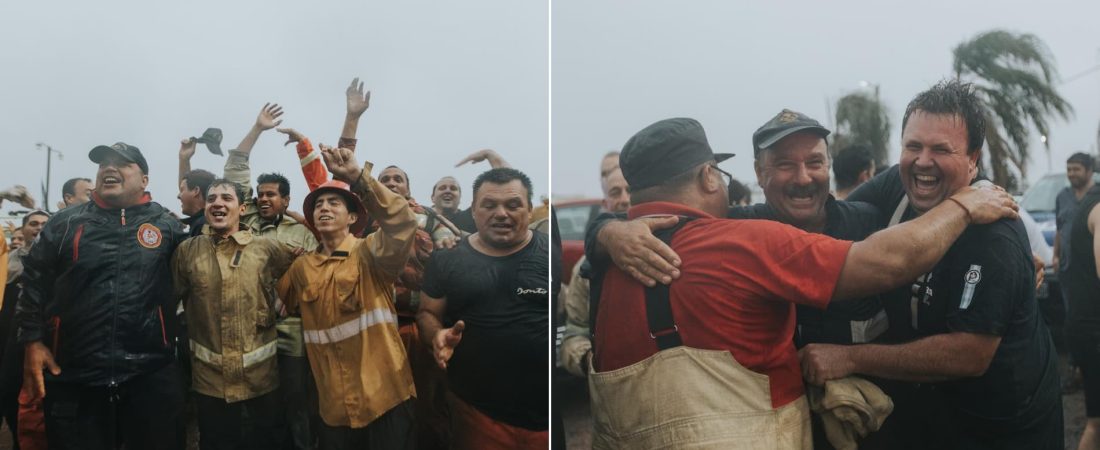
1040, 197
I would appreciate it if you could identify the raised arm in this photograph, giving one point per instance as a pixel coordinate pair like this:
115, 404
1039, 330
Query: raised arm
187, 150
495, 160
896, 255
357, 103
312, 168
391, 245
236, 164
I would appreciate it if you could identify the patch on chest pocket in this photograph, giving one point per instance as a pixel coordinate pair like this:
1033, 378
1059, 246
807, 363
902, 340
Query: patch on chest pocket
148, 236
970, 282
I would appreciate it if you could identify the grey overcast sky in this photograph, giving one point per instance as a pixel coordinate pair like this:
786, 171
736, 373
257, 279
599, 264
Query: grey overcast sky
618, 66
447, 79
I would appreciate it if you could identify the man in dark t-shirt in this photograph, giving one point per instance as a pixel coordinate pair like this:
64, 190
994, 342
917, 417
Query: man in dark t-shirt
976, 335
492, 288
1082, 283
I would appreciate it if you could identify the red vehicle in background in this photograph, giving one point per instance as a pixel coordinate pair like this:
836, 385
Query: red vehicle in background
573, 217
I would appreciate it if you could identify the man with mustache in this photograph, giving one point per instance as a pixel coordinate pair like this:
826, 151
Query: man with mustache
974, 333
493, 287
709, 359
96, 315
226, 280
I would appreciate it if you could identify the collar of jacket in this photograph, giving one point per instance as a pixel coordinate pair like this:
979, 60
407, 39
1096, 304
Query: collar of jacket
145, 199
343, 251
243, 235
191, 219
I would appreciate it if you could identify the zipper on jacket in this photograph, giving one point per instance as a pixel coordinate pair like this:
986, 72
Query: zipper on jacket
124, 216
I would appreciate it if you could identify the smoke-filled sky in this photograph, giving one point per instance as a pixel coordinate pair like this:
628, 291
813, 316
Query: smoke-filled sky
447, 79
618, 66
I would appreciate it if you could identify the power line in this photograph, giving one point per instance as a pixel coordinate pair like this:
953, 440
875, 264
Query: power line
1082, 74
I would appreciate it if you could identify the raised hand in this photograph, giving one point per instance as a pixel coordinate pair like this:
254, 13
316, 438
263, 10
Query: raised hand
341, 163
19, 195
445, 341
292, 135
358, 101
269, 116
187, 149
482, 155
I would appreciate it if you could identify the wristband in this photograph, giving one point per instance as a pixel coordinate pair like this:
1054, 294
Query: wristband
969, 218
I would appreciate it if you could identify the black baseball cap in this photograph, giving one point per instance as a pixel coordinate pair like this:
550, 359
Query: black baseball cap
665, 149
784, 124
126, 151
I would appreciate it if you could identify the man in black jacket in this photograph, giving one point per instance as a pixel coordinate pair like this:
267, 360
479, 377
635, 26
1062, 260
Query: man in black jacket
97, 314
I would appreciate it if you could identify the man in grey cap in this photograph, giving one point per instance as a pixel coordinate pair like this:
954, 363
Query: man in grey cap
727, 322
96, 316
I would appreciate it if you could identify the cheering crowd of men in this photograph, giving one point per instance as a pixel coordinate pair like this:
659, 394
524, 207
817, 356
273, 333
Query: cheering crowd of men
903, 316
365, 320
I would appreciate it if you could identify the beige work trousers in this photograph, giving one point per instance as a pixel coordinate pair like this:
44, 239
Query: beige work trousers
690, 398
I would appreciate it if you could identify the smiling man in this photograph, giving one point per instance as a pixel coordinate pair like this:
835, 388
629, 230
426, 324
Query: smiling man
493, 286
95, 315
344, 291
225, 279
974, 335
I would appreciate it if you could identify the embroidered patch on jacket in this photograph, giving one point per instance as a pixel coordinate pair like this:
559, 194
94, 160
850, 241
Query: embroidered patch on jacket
148, 236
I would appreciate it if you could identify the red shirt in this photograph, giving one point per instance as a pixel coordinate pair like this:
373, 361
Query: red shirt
738, 285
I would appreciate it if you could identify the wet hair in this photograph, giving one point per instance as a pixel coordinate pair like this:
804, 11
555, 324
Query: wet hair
238, 190
278, 178
503, 175
955, 98
739, 192
849, 163
69, 188
37, 212
1084, 159
199, 178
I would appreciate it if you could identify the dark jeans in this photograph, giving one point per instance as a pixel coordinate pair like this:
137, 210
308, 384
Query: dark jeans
393, 430
247, 424
145, 412
299, 394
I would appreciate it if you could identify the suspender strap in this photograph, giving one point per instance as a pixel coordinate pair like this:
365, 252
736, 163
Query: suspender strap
658, 307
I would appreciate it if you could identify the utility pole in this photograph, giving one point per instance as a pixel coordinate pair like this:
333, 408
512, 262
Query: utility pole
49, 156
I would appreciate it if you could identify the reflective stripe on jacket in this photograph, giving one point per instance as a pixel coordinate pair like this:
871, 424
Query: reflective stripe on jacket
347, 306
228, 290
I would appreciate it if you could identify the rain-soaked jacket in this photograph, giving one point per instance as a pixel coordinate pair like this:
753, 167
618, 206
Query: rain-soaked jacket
97, 290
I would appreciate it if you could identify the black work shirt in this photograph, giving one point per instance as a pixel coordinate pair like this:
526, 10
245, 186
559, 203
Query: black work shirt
500, 366
985, 284
1082, 282
850, 221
